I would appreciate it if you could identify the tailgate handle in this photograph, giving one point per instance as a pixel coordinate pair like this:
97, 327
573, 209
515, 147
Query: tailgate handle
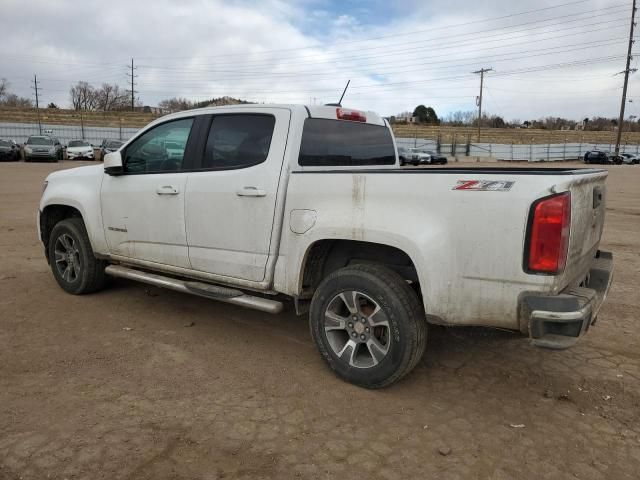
597, 197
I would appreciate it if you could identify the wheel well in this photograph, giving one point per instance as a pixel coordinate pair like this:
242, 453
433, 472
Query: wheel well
327, 256
50, 216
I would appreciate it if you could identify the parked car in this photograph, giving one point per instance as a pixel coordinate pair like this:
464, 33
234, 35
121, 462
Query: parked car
41, 147
269, 202
108, 146
77, 149
629, 159
427, 157
8, 151
404, 156
598, 156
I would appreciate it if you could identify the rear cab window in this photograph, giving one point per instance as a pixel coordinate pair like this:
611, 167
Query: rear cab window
343, 143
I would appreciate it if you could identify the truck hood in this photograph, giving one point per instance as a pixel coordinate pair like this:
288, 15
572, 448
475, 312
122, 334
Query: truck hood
88, 171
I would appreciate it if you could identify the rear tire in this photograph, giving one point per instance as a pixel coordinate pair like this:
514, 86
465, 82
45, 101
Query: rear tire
368, 325
74, 266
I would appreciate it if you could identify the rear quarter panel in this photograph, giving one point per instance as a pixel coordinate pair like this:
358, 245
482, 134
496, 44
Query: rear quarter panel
467, 246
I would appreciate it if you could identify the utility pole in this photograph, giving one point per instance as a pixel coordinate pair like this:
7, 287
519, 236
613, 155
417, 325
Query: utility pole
132, 76
627, 70
35, 87
482, 71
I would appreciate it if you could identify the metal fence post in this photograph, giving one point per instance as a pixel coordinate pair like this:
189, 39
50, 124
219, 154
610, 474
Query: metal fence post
120, 129
453, 145
580, 148
531, 151
564, 150
548, 148
512, 150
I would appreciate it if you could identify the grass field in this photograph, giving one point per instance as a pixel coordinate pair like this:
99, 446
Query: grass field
446, 134
512, 135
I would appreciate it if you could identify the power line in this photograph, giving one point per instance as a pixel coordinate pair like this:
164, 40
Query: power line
482, 71
457, 43
132, 76
627, 70
35, 88
341, 43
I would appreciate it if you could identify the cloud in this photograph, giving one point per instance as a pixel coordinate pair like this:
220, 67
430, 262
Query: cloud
559, 61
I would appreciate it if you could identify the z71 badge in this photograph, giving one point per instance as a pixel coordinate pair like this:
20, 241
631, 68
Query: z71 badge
484, 185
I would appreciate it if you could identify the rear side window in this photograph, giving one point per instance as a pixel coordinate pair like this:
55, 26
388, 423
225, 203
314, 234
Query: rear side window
332, 143
238, 141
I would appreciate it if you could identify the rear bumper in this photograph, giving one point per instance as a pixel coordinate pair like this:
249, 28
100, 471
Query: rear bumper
557, 321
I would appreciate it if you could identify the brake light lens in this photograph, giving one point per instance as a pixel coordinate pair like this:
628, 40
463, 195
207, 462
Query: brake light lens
353, 115
549, 234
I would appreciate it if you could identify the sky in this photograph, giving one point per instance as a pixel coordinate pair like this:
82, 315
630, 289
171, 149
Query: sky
549, 57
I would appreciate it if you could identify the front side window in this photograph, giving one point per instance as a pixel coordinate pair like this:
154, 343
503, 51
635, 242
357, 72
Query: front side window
238, 141
161, 149
330, 143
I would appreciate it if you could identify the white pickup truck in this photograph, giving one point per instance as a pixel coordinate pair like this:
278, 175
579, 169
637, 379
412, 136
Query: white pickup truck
257, 204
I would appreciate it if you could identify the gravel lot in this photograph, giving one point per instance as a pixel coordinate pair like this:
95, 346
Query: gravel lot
139, 383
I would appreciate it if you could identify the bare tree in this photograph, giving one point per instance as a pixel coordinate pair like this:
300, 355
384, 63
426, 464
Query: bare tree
13, 100
4, 88
111, 97
83, 96
176, 104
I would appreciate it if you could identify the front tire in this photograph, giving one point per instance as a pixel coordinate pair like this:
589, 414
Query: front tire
74, 266
368, 325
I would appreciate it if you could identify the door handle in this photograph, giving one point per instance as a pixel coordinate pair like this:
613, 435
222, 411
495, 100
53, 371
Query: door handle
251, 192
167, 190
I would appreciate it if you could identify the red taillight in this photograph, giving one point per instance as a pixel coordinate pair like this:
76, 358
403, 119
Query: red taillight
549, 234
353, 115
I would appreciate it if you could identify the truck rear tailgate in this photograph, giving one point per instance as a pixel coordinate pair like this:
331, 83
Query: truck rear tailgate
587, 221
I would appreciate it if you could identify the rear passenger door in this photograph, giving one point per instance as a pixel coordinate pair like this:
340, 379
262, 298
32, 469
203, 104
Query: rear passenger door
230, 199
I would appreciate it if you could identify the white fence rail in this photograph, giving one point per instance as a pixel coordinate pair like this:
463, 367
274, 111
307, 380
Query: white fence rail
501, 151
21, 131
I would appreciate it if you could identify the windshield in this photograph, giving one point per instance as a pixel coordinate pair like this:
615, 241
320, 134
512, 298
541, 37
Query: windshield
4, 143
113, 144
39, 141
78, 143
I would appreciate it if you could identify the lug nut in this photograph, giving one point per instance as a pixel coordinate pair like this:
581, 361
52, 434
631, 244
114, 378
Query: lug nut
366, 329
362, 337
350, 325
354, 334
364, 320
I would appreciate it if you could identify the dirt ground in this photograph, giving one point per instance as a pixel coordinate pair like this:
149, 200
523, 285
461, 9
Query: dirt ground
138, 383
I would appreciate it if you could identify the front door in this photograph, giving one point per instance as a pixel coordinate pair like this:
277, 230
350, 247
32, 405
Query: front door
143, 209
230, 202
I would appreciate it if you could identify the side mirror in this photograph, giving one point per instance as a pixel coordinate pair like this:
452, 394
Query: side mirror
113, 163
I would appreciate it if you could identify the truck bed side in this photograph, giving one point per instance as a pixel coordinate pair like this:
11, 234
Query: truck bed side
467, 246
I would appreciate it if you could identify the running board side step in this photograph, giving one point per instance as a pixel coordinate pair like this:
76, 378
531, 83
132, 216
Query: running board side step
213, 292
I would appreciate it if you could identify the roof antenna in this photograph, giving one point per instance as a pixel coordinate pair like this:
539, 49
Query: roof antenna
339, 104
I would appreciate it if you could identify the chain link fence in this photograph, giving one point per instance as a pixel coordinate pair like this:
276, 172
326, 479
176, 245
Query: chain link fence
499, 151
94, 135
